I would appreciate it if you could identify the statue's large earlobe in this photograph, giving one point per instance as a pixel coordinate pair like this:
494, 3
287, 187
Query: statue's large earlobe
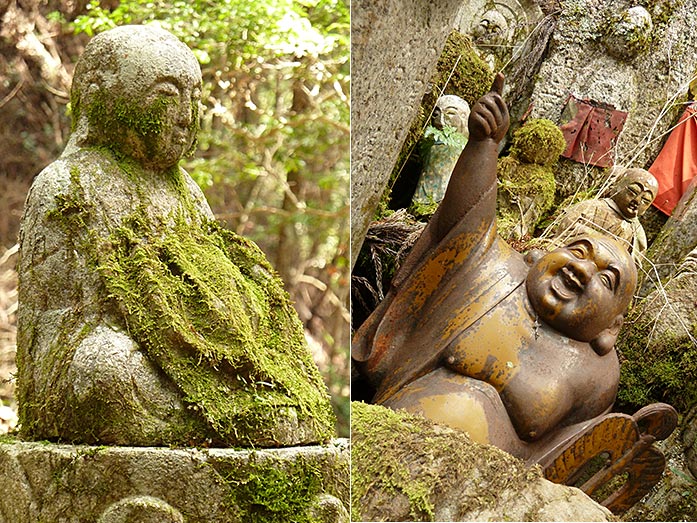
81, 126
605, 341
532, 256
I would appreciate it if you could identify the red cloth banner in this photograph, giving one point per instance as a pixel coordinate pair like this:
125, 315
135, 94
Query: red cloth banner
676, 164
591, 130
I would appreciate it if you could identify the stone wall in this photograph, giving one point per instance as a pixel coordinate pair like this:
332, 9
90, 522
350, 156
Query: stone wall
395, 45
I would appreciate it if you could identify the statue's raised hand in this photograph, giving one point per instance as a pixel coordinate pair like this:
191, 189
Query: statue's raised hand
489, 116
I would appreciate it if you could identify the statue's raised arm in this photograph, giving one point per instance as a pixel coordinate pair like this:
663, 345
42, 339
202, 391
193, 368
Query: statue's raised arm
470, 199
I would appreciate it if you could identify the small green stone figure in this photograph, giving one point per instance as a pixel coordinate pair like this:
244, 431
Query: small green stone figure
446, 138
141, 321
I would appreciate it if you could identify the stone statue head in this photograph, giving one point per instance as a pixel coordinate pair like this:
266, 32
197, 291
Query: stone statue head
492, 28
583, 289
629, 32
453, 111
634, 192
136, 90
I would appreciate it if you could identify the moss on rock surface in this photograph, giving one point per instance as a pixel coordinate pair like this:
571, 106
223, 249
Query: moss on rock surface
85, 484
207, 307
658, 354
406, 468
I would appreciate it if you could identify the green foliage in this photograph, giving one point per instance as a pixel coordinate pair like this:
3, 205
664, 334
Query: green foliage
274, 140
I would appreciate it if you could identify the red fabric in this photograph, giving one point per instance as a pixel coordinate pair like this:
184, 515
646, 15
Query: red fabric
590, 131
676, 164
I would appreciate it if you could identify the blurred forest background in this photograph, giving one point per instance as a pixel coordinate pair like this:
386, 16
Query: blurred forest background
273, 155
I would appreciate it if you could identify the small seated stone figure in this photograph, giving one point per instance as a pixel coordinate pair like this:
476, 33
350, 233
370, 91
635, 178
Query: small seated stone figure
516, 350
445, 139
526, 177
141, 321
616, 216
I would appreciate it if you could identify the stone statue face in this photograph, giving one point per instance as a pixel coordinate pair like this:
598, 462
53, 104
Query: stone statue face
633, 200
453, 111
636, 190
139, 88
580, 289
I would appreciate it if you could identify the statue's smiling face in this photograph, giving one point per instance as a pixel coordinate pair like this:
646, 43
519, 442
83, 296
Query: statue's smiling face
580, 289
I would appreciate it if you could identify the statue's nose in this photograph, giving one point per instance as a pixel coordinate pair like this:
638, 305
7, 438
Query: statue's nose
185, 115
583, 270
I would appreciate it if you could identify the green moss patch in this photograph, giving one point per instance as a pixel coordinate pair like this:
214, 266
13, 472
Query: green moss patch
218, 322
272, 490
658, 354
656, 365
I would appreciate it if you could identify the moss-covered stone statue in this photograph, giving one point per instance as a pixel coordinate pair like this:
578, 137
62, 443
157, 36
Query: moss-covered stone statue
141, 321
526, 177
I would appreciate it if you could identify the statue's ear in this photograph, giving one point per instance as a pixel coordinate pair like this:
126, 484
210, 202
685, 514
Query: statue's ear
605, 341
532, 256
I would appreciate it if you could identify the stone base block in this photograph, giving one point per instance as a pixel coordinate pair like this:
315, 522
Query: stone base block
45, 482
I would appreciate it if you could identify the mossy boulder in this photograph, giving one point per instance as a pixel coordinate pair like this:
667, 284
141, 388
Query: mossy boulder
657, 347
406, 468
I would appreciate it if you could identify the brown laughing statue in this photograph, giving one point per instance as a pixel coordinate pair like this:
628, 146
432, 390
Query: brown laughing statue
517, 351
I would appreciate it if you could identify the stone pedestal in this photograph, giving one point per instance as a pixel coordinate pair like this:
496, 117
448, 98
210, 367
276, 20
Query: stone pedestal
61, 483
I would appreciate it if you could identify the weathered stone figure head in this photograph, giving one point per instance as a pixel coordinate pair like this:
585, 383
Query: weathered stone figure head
616, 216
453, 111
141, 321
634, 192
137, 89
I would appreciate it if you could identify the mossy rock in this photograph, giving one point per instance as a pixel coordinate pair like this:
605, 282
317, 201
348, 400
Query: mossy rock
406, 468
87, 484
525, 194
658, 354
539, 141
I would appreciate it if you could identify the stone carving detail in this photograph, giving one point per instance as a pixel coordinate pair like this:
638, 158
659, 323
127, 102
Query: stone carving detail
144, 509
141, 321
